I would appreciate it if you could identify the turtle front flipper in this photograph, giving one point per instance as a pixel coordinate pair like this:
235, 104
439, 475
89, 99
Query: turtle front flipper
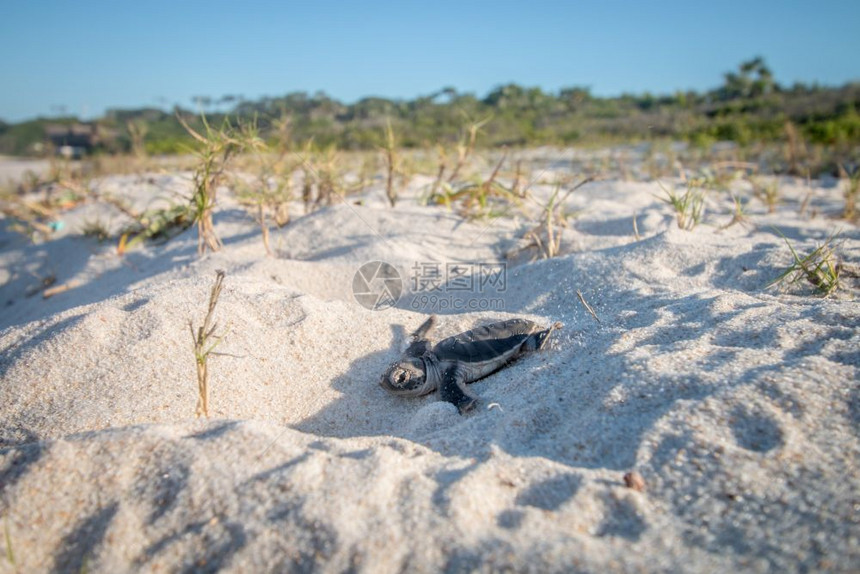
538, 340
453, 389
425, 328
418, 342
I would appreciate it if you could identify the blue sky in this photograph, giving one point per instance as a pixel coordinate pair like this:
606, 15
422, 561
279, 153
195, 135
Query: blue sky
91, 55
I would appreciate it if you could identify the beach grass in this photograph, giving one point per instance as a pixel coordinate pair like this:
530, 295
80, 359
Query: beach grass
216, 148
544, 239
205, 341
392, 164
767, 192
820, 267
851, 186
689, 207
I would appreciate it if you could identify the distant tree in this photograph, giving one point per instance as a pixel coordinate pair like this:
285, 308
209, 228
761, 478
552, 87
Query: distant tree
646, 101
748, 106
752, 80
512, 96
367, 108
448, 93
202, 102
575, 96
227, 99
508, 96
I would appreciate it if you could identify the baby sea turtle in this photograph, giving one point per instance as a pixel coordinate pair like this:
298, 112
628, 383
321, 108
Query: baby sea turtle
453, 362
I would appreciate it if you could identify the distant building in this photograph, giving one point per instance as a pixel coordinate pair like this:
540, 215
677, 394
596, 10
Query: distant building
77, 140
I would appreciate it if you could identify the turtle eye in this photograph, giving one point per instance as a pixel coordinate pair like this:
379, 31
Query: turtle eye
401, 377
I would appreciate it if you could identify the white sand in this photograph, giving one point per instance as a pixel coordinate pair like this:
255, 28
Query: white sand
739, 405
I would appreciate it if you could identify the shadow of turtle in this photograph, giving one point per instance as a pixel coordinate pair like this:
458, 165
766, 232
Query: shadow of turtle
364, 407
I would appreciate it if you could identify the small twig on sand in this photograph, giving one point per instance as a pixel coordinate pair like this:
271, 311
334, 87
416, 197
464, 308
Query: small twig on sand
587, 306
51, 291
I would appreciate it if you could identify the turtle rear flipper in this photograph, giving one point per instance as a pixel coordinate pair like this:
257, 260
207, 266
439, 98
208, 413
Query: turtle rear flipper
453, 389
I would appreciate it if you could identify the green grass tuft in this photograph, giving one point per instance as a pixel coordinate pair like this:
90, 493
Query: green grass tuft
820, 268
689, 207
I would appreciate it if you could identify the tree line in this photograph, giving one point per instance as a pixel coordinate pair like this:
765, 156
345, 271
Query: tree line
748, 107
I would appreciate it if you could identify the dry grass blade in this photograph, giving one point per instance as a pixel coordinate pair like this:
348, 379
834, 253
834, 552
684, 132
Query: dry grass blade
137, 131
546, 236
193, 133
767, 193
852, 191
391, 163
269, 194
440, 173
308, 176
517, 184
466, 146
481, 198
205, 340
329, 177
553, 241
738, 215
264, 228
7, 535
218, 147
476, 197
32, 219
321, 173
796, 150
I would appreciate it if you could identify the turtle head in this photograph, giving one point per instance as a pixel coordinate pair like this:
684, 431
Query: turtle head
406, 377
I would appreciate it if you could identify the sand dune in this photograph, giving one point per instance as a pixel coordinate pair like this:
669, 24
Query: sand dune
737, 403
